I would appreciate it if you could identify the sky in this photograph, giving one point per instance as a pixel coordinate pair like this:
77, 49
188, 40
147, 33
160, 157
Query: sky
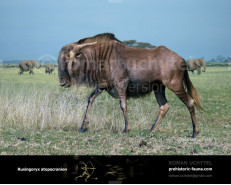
34, 29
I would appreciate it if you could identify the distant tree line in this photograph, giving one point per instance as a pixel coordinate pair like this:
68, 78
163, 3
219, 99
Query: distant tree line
135, 44
220, 58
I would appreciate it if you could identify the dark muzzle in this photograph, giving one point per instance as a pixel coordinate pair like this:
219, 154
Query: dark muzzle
64, 83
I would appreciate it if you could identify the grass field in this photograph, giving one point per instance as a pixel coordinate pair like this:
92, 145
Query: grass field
38, 117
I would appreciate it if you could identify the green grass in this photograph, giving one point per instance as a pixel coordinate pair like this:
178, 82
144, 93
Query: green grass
35, 108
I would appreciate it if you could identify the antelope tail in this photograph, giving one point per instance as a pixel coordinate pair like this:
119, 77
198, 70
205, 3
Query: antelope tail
191, 91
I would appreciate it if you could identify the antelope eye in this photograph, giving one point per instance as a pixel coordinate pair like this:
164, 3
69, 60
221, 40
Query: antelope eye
78, 55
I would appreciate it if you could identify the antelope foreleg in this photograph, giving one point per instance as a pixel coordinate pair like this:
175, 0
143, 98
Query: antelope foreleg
91, 98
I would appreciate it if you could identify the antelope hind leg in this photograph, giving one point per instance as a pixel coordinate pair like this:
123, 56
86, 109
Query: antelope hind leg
162, 101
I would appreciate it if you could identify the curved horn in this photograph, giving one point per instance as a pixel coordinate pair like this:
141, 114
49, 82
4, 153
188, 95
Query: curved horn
83, 45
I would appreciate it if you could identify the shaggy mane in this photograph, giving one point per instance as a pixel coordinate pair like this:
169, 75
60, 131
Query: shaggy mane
103, 37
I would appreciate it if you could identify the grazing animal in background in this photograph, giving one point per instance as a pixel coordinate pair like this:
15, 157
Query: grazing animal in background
196, 64
28, 65
126, 72
49, 69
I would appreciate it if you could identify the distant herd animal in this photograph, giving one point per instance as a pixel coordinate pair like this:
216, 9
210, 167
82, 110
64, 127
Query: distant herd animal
27, 65
196, 64
107, 64
49, 69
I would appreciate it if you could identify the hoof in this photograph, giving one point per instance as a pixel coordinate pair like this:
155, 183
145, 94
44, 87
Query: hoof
83, 129
152, 129
195, 134
126, 131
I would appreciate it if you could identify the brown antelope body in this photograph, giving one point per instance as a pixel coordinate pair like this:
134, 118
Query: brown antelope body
126, 72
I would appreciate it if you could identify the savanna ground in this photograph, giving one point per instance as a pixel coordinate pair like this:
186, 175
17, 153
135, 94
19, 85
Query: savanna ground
37, 117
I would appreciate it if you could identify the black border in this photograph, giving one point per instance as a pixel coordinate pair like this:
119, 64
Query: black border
116, 169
